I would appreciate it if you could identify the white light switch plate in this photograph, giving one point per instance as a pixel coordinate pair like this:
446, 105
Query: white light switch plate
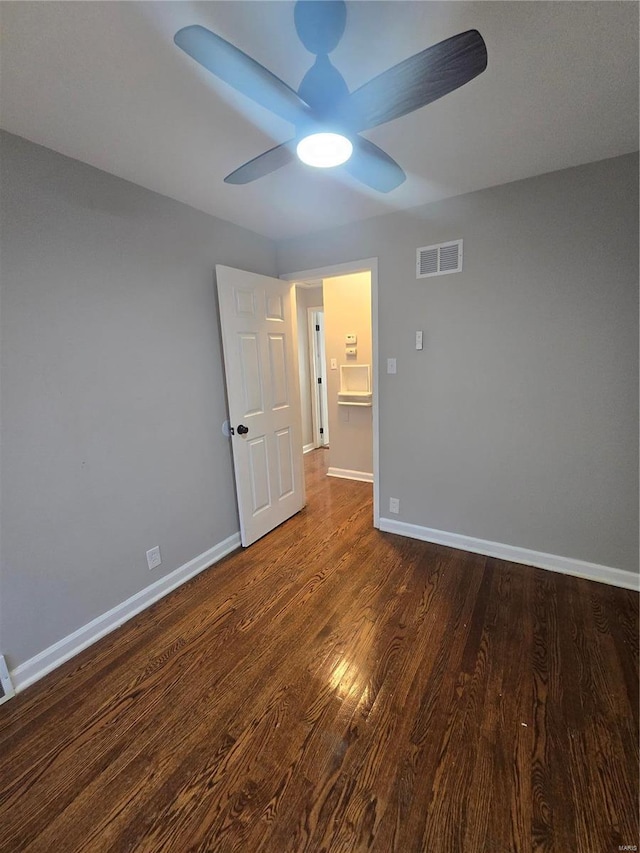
391, 365
334, 364
418, 340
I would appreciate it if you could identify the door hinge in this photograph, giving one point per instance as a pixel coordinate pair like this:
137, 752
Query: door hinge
321, 430
317, 327
319, 380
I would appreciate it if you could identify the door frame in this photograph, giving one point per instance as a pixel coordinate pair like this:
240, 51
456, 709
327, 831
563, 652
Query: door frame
369, 265
316, 356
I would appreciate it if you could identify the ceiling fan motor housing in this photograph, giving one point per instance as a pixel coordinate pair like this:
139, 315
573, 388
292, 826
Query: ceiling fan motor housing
320, 24
322, 88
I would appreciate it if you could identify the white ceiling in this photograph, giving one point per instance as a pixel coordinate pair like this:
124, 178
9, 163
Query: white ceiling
104, 83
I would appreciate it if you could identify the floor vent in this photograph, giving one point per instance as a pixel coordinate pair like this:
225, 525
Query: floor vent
6, 687
439, 259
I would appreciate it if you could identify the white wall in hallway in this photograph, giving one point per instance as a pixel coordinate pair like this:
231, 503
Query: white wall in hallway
347, 310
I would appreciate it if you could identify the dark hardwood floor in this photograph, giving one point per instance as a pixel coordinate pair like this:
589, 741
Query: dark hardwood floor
333, 688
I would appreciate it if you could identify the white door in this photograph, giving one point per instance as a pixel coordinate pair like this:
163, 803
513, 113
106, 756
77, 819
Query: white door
322, 368
257, 316
319, 407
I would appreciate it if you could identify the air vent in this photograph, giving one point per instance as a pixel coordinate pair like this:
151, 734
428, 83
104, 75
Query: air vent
440, 259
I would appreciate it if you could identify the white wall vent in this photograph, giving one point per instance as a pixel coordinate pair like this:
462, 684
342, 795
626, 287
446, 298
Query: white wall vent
440, 259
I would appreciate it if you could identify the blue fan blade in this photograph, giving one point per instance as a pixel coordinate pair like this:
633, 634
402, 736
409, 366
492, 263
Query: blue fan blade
416, 81
271, 160
242, 72
372, 166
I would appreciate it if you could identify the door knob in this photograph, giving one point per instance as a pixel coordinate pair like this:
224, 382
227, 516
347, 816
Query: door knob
242, 429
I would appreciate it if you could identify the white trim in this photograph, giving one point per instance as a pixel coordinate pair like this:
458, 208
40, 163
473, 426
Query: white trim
347, 474
371, 265
317, 369
329, 271
552, 562
307, 448
48, 659
5, 678
312, 374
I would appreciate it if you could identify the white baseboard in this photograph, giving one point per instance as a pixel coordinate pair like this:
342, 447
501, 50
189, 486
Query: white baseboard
552, 562
307, 448
5, 680
346, 474
48, 659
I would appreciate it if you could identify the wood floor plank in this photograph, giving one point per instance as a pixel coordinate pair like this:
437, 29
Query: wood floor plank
267, 671
510, 827
334, 688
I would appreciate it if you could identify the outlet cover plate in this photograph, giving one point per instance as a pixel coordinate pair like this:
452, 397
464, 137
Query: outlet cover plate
153, 557
394, 505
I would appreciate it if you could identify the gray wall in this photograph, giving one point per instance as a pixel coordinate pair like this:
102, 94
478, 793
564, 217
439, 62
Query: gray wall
112, 390
518, 422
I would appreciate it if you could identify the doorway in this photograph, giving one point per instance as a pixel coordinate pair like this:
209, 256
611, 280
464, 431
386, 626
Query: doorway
351, 412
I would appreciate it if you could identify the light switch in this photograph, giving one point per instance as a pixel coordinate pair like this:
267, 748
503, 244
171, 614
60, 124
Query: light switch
334, 364
391, 365
418, 340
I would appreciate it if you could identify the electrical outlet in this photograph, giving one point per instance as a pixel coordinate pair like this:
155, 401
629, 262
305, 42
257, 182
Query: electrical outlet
153, 557
394, 505
391, 365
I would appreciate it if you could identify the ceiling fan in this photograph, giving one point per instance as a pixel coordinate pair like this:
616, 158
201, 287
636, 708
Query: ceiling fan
327, 117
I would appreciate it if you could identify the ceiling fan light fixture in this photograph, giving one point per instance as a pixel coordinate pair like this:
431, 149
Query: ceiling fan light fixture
323, 100
324, 150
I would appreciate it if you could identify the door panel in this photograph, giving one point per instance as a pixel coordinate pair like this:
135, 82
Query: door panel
259, 472
285, 462
275, 307
244, 302
257, 316
278, 365
251, 374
